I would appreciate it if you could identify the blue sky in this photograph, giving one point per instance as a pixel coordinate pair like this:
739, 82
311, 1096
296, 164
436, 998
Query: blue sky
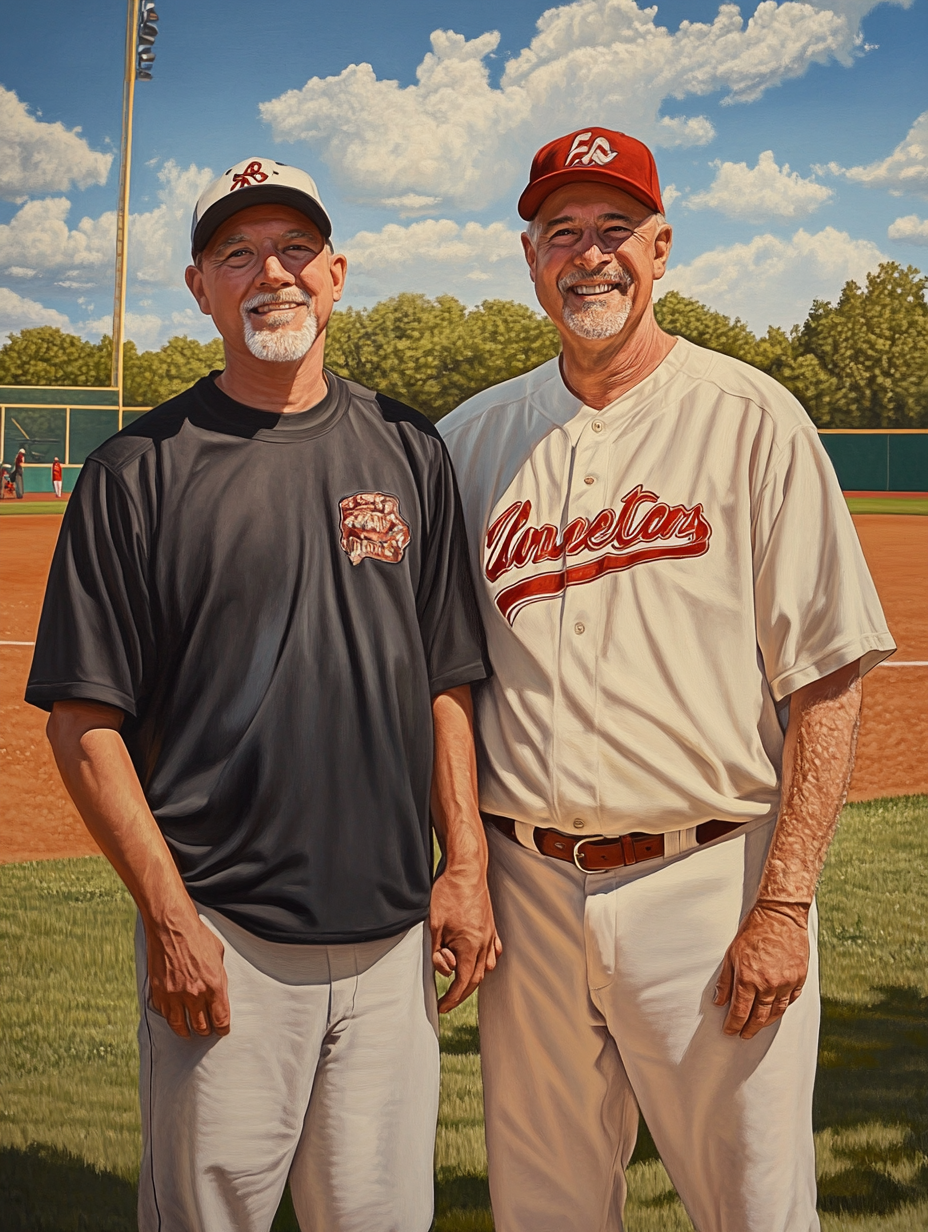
791, 140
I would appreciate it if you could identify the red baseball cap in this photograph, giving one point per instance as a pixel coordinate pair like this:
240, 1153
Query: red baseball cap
599, 154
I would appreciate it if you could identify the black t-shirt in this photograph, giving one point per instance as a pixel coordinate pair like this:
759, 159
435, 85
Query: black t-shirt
273, 600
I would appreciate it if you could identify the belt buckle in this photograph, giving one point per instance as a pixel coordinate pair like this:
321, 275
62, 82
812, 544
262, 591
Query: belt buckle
589, 838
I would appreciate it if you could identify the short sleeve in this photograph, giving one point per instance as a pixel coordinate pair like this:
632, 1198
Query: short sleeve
815, 603
446, 604
95, 638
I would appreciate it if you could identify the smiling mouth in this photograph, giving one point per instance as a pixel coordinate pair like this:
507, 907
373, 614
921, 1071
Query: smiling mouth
264, 310
597, 288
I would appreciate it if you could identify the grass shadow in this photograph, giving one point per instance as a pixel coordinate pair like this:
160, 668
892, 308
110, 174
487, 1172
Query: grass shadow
48, 1190
285, 1219
456, 1191
871, 1103
460, 1039
645, 1150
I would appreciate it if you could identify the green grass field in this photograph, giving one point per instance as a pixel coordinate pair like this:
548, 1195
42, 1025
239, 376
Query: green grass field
69, 1136
42, 506
883, 504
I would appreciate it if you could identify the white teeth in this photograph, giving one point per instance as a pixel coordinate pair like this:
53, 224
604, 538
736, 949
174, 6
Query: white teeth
599, 289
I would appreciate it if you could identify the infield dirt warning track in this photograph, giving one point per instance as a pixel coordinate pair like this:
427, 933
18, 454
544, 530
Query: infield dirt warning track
38, 820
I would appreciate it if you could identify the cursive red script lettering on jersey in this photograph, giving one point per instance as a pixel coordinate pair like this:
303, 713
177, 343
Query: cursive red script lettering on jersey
644, 528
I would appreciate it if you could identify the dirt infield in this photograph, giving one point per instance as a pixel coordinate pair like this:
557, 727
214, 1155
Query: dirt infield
38, 821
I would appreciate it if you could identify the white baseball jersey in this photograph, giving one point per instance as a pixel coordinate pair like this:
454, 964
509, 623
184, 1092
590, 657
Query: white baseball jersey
655, 579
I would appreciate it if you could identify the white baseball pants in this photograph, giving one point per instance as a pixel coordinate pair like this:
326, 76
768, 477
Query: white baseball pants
329, 1075
601, 1003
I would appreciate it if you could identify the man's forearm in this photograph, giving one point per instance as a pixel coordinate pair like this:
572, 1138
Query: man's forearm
187, 980
766, 965
464, 940
455, 810
101, 780
818, 757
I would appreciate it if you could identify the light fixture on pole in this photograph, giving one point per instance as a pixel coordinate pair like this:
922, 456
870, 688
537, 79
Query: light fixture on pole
141, 32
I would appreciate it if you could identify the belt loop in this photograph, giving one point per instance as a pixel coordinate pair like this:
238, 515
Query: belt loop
628, 849
672, 840
525, 833
688, 839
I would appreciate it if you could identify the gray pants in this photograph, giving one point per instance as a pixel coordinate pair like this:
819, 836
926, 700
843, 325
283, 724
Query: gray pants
329, 1075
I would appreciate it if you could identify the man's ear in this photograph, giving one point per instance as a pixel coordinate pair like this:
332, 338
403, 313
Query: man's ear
338, 266
663, 242
194, 279
529, 249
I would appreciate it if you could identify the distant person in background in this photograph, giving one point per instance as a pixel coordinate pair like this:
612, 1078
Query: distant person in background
18, 482
56, 478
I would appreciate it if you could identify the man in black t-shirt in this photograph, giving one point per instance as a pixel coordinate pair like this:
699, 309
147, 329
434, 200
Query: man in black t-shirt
256, 704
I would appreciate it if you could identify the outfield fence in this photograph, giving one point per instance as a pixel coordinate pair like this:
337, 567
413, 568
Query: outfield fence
70, 422
66, 423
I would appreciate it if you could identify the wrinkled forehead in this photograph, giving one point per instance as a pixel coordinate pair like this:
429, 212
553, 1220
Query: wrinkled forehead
262, 221
589, 200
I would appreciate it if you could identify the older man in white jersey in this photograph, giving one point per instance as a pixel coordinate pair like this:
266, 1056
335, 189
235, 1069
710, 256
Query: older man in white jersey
678, 615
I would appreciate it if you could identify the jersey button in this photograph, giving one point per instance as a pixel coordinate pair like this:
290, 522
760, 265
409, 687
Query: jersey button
589, 479
597, 425
579, 627
579, 823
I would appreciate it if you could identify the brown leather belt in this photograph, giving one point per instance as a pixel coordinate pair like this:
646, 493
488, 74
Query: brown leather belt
598, 855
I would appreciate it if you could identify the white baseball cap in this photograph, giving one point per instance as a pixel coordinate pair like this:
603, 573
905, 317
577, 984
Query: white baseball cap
255, 181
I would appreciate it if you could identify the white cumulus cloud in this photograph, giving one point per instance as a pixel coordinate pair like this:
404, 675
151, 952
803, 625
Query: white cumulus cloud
160, 238
854, 10
146, 329
17, 312
454, 137
904, 171
438, 256
772, 281
911, 229
43, 158
759, 193
39, 239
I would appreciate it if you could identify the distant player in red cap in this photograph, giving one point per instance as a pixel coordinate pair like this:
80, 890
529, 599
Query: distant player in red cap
678, 614
56, 477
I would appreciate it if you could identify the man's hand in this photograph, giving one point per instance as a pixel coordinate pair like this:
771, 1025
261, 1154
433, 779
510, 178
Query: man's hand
464, 939
187, 979
765, 967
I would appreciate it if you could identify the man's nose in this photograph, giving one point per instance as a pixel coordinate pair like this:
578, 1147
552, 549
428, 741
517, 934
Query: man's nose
593, 256
274, 274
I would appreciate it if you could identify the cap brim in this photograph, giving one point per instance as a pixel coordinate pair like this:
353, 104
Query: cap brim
531, 199
258, 194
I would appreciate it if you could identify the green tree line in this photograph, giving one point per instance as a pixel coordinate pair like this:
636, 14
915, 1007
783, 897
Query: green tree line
861, 362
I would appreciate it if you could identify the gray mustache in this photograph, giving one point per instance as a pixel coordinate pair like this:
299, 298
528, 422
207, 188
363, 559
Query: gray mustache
291, 296
622, 281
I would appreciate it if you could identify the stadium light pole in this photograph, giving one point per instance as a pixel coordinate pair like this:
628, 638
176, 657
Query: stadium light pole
141, 32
